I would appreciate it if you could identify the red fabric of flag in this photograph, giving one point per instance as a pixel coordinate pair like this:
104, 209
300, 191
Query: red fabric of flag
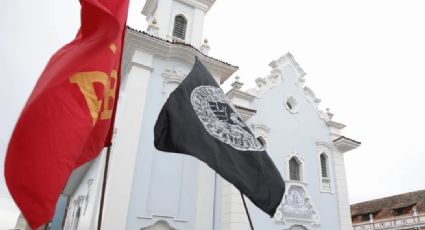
68, 118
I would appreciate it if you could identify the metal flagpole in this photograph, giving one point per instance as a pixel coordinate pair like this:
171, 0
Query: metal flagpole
247, 212
102, 197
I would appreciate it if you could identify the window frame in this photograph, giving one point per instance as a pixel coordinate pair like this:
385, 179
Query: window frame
185, 26
294, 169
301, 164
325, 161
327, 184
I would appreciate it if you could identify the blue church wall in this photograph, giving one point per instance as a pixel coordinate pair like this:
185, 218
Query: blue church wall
165, 184
295, 133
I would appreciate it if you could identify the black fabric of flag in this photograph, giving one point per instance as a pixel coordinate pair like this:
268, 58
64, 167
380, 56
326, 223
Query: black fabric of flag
200, 121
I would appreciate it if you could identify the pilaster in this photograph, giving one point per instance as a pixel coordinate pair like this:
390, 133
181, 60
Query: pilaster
233, 213
122, 162
342, 191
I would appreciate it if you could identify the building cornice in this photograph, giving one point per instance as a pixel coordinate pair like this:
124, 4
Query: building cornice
245, 113
150, 5
173, 50
240, 94
335, 124
201, 4
345, 144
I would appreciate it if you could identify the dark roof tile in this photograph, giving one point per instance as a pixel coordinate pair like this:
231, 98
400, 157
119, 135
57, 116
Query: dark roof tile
387, 204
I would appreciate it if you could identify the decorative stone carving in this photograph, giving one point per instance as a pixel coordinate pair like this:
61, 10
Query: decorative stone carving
172, 78
159, 225
286, 60
205, 48
75, 213
260, 130
275, 78
261, 82
87, 197
153, 27
311, 96
296, 205
297, 227
237, 84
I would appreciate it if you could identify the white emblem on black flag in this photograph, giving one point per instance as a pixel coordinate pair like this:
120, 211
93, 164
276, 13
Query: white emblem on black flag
216, 114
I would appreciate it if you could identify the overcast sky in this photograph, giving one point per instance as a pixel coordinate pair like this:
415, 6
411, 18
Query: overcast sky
363, 58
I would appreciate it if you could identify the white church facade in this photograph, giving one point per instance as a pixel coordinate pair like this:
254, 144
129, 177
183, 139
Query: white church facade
152, 190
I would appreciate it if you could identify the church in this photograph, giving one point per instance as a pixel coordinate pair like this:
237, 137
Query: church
148, 189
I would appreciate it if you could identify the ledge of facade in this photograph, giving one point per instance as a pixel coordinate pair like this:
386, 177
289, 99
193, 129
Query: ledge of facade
176, 50
240, 94
345, 144
246, 113
335, 125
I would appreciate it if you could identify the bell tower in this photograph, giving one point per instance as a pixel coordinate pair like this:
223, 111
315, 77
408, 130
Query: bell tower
177, 20
149, 189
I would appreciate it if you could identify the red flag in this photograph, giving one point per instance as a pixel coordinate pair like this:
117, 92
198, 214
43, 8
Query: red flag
68, 118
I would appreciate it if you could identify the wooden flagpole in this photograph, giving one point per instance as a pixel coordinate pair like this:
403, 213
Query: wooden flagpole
247, 212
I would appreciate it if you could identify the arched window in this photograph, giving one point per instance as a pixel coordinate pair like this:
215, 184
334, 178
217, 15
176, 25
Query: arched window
179, 30
324, 165
294, 169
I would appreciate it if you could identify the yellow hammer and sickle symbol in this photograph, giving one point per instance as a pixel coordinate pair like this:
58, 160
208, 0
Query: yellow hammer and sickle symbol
85, 81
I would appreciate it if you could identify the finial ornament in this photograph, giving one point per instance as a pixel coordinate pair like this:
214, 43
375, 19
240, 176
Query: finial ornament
330, 115
237, 84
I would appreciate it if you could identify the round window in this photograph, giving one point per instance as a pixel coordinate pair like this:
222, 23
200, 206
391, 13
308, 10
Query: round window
291, 104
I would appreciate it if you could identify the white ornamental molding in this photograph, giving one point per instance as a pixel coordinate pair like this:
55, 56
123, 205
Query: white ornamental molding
311, 97
261, 130
87, 197
275, 78
161, 224
172, 78
288, 60
301, 161
326, 183
296, 207
297, 227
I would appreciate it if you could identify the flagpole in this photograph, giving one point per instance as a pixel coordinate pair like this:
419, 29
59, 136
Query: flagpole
102, 197
247, 212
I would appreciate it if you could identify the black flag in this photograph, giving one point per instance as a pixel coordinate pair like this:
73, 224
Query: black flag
199, 120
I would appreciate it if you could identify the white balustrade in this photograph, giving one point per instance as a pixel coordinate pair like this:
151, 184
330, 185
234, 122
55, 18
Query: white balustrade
390, 223
326, 184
